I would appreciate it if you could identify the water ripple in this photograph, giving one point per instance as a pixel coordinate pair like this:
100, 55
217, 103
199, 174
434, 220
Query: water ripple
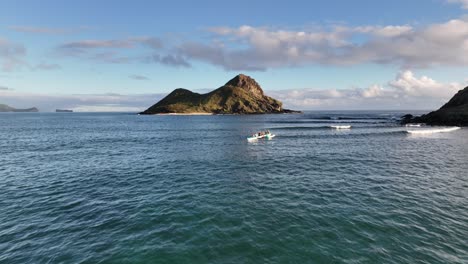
105, 188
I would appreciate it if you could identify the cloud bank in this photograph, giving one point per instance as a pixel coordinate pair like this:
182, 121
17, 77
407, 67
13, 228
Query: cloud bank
405, 92
80, 102
249, 48
260, 48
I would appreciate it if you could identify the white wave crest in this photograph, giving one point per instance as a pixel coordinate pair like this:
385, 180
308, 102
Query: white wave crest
432, 131
340, 127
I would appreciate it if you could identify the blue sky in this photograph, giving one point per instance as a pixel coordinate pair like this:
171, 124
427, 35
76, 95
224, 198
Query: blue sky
126, 55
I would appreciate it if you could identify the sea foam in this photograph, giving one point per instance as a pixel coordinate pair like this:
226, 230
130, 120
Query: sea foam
432, 131
340, 127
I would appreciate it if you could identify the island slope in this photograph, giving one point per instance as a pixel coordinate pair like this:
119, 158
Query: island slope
240, 95
453, 113
7, 108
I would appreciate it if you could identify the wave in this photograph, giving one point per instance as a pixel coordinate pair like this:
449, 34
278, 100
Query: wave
356, 121
362, 118
336, 126
352, 135
300, 128
340, 126
432, 131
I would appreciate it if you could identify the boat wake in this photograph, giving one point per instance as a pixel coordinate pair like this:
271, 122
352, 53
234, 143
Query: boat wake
432, 131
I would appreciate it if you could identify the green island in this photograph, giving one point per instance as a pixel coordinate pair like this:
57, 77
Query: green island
240, 95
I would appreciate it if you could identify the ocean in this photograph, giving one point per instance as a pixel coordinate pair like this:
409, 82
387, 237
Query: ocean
127, 188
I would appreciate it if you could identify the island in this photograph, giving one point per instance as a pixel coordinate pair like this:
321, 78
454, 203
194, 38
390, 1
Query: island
453, 113
63, 111
240, 95
7, 108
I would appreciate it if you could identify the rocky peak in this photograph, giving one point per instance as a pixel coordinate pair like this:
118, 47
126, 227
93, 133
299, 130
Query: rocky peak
461, 98
247, 83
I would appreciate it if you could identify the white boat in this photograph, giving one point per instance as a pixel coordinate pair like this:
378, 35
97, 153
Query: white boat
253, 138
413, 125
340, 127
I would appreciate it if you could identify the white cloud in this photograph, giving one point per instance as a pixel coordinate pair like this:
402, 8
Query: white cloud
406, 91
387, 31
260, 48
252, 48
409, 85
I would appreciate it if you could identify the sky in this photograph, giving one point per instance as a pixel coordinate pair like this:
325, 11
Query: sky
312, 55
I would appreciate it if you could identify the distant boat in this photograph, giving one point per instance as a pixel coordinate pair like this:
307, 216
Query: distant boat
63, 111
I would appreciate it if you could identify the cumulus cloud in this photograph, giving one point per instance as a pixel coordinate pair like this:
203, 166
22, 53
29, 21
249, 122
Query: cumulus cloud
11, 55
248, 48
260, 48
406, 91
138, 77
406, 84
387, 31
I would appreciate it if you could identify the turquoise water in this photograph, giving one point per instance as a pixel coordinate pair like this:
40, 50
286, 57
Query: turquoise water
123, 188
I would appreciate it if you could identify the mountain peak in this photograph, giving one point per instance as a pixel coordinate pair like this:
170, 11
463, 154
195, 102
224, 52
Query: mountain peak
453, 113
247, 83
461, 98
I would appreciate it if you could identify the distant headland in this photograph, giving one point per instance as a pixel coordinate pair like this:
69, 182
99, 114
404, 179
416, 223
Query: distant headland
240, 95
7, 108
453, 113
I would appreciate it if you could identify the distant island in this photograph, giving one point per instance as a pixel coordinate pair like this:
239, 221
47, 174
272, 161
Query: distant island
63, 111
240, 95
453, 113
6, 108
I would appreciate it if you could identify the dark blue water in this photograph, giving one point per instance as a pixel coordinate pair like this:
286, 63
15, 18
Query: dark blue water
107, 188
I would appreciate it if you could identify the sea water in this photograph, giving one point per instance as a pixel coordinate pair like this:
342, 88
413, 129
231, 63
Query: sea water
126, 188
